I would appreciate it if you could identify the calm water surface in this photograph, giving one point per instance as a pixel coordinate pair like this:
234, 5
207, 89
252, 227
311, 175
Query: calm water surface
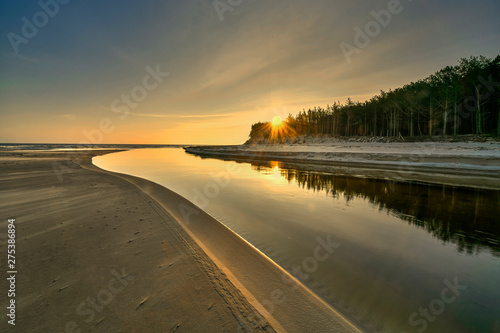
410, 257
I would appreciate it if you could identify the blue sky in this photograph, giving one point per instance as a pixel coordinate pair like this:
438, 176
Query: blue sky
265, 58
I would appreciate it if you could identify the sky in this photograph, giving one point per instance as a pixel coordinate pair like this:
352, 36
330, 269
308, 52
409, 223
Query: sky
202, 71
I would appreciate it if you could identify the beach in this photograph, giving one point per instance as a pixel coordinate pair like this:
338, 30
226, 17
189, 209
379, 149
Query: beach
250, 166
98, 251
470, 164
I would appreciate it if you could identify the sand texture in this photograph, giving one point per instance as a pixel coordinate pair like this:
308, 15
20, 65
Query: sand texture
102, 252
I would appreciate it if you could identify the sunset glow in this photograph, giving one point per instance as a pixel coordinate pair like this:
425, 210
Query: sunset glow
182, 72
277, 122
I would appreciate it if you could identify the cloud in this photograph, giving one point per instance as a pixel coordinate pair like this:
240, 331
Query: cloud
265, 58
67, 116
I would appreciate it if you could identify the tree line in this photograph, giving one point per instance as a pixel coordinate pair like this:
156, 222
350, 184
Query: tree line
457, 100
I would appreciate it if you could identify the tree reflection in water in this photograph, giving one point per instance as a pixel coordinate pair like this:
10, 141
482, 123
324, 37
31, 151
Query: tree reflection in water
467, 217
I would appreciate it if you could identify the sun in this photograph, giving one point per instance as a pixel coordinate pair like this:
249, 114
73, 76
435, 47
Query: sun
278, 130
277, 122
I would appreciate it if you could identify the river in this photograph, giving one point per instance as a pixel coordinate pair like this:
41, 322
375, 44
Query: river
409, 257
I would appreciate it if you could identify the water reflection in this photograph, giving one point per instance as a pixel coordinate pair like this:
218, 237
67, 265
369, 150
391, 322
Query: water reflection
398, 240
462, 216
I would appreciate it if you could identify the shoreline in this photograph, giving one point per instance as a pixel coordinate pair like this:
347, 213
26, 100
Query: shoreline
247, 290
476, 169
265, 284
95, 252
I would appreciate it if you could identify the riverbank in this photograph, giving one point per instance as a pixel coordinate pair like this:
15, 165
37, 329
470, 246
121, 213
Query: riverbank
472, 164
107, 252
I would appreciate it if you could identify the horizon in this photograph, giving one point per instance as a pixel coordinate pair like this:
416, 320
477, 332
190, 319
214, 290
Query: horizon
203, 73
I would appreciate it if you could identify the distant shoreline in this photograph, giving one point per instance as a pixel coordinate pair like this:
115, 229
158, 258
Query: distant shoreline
469, 164
79, 147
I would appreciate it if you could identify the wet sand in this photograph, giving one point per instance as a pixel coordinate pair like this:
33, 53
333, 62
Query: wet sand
99, 251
